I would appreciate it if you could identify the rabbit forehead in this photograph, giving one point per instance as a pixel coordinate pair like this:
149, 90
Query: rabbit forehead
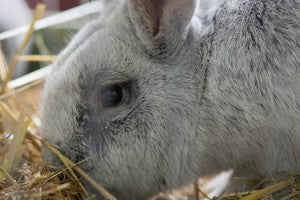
107, 54
107, 48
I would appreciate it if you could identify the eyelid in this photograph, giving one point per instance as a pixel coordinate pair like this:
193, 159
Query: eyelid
110, 77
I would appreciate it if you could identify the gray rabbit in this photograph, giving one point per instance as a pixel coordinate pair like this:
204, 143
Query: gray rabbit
160, 92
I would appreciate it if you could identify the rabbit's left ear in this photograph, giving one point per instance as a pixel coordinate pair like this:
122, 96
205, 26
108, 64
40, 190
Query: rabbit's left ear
161, 17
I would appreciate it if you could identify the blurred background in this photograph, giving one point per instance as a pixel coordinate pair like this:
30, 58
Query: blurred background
56, 5
62, 19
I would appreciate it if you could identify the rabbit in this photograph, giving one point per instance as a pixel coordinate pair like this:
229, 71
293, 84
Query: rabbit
161, 92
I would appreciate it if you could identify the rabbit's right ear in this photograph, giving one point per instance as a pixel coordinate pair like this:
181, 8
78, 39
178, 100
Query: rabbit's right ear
161, 18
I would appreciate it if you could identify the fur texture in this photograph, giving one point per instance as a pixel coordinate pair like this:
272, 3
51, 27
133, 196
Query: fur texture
209, 86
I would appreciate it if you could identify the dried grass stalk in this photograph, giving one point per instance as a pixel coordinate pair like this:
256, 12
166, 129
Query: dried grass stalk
36, 58
269, 190
39, 10
56, 189
10, 178
3, 65
68, 163
16, 148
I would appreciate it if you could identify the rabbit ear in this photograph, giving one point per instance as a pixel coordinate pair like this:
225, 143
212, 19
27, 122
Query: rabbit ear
159, 16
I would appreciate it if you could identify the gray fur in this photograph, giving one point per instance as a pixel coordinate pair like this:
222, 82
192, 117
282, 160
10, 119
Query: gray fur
216, 91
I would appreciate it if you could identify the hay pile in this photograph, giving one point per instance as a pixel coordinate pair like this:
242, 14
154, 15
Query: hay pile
24, 175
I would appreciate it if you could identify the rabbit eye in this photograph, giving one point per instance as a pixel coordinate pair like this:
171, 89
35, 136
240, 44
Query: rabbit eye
110, 96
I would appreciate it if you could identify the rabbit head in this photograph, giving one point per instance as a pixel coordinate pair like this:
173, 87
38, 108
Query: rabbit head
125, 94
